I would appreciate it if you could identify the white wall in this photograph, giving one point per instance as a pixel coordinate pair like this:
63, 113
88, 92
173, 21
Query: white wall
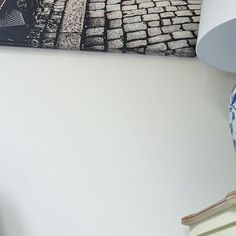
110, 145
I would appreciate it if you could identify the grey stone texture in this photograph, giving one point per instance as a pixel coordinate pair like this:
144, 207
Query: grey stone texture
162, 27
59, 23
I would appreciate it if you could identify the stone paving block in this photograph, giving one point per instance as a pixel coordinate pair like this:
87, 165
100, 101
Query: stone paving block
129, 2
138, 12
171, 8
135, 27
115, 23
154, 31
162, 3
96, 22
159, 47
113, 7
97, 0
115, 34
136, 35
95, 32
199, 2
151, 17
195, 18
129, 7
113, 1
96, 6
191, 26
182, 35
170, 28
167, 15
195, 7
182, 8
194, 1
184, 13
159, 38
166, 22
146, 5
178, 3
95, 14
155, 10
133, 19
114, 15
142, 1
180, 20
178, 44
90, 41
153, 23
136, 43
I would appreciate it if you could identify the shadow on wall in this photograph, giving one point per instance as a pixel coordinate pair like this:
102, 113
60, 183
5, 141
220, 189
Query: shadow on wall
10, 224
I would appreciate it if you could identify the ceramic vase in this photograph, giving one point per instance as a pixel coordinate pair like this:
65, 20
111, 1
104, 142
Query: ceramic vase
232, 116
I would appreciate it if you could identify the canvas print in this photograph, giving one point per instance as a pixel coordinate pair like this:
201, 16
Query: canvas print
161, 27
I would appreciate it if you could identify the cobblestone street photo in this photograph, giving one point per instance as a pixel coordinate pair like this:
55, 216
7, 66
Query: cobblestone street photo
162, 27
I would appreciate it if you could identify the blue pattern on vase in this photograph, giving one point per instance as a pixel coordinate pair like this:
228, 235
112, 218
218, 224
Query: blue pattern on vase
232, 116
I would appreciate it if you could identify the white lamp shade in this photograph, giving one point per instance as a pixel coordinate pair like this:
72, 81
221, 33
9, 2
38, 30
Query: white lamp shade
216, 44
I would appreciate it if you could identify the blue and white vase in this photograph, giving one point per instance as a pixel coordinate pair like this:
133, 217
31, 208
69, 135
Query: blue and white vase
232, 116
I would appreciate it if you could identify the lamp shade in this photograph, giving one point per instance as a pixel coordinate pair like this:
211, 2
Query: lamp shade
216, 44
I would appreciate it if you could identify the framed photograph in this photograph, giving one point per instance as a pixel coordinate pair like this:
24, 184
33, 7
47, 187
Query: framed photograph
160, 27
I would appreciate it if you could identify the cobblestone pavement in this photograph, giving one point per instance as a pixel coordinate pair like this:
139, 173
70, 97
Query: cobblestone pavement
58, 24
163, 27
